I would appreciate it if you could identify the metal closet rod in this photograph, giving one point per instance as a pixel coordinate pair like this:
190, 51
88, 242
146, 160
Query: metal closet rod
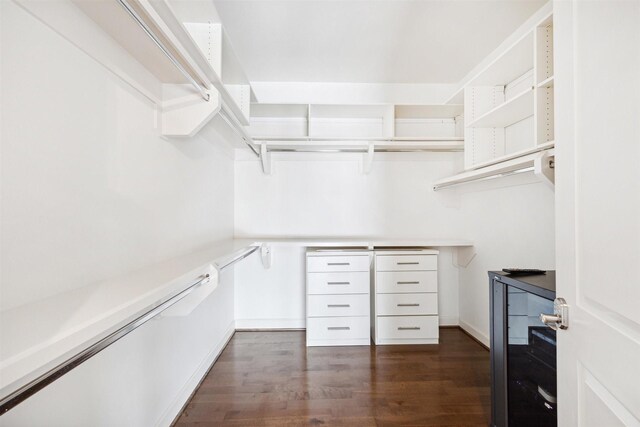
484, 178
360, 150
236, 128
202, 90
15, 398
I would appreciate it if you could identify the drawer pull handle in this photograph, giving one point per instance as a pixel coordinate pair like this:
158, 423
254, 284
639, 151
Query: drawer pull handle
408, 283
408, 328
408, 305
409, 263
338, 263
338, 305
338, 328
338, 283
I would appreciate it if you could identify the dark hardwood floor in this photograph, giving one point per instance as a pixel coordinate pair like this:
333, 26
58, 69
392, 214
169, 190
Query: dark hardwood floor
272, 379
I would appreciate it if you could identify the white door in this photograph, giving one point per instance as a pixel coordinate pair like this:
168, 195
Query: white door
597, 74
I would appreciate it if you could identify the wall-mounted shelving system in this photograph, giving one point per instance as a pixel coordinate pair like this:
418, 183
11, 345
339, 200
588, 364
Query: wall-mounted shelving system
366, 128
509, 106
183, 57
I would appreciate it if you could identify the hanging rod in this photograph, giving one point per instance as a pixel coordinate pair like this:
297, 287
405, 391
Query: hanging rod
237, 128
361, 150
484, 178
240, 257
10, 401
202, 90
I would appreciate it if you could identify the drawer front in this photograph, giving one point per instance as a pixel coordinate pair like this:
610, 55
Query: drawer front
320, 264
338, 305
338, 283
407, 327
389, 282
406, 304
337, 328
406, 262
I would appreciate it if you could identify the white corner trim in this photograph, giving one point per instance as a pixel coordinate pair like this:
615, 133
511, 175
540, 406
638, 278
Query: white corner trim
474, 332
448, 320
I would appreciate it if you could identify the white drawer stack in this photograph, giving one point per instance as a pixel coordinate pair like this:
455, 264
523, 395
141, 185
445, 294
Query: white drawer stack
406, 297
338, 307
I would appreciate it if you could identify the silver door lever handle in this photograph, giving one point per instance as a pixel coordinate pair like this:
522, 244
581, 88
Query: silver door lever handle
560, 317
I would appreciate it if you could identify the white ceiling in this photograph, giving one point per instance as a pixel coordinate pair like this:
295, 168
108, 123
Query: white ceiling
435, 41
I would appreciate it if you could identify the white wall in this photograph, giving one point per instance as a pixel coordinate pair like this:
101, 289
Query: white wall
328, 195
511, 222
90, 191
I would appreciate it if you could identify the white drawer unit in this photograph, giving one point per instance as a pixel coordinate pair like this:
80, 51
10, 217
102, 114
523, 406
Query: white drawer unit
338, 305
338, 283
338, 297
406, 304
405, 309
333, 263
408, 329
395, 282
406, 262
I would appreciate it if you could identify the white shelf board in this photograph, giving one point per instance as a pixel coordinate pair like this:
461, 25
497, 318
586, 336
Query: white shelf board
277, 111
547, 82
117, 23
512, 111
428, 111
496, 170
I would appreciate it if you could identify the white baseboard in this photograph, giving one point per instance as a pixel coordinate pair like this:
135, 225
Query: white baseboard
448, 320
474, 332
190, 386
270, 324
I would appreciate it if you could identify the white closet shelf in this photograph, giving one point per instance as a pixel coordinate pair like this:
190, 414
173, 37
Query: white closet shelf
360, 144
509, 167
163, 25
546, 82
512, 111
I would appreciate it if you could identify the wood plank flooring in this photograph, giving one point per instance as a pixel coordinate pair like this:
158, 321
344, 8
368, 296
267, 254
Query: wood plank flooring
272, 379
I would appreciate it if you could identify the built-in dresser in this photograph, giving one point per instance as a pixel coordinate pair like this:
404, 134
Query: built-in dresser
405, 307
338, 297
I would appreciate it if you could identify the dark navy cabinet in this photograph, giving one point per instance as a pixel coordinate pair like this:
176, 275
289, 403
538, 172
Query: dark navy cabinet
523, 351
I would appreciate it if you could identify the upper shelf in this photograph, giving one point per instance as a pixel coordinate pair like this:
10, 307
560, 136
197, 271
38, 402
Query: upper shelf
512, 111
162, 23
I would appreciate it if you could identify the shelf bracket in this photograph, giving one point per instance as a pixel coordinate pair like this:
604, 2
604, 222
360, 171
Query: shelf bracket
543, 167
463, 256
265, 159
265, 255
367, 161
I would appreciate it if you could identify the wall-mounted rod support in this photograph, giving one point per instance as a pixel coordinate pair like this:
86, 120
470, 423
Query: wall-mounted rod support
10, 401
202, 90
